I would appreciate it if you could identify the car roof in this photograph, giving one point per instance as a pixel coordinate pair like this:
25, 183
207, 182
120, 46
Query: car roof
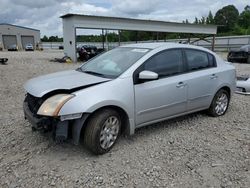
245, 46
155, 45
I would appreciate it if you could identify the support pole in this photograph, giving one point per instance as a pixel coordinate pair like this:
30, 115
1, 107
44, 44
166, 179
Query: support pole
136, 37
157, 36
69, 40
213, 42
119, 37
107, 42
188, 39
103, 39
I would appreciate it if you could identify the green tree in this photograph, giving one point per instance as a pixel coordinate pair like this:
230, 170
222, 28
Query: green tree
226, 18
210, 18
244, 19
44, 39
203, 20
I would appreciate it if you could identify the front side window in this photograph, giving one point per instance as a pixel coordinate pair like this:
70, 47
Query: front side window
165, 63
114, 62
197, 60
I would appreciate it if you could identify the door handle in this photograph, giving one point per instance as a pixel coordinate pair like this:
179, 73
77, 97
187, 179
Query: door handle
180, 85
213, 76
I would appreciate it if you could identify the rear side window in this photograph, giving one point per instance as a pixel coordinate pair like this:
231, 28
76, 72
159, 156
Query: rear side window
211, 59
197, 60
165, 63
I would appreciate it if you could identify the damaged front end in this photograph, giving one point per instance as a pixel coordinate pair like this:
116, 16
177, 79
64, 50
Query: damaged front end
42, 112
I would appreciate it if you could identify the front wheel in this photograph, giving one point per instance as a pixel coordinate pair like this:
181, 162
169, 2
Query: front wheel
102, 131
219, 104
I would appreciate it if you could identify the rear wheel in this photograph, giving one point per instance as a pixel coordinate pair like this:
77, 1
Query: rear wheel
219, 104
102, 131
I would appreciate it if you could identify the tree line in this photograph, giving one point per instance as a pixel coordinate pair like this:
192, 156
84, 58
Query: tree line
228, 19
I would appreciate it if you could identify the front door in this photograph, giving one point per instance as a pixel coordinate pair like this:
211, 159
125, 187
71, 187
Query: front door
165, 97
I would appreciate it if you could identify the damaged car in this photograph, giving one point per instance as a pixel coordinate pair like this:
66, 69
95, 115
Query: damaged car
241, 55
127, 88
243, 85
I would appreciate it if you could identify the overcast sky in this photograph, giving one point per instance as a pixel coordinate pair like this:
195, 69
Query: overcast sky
44, 14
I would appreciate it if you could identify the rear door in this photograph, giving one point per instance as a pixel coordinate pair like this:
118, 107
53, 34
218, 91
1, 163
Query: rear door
201, 77
165, 97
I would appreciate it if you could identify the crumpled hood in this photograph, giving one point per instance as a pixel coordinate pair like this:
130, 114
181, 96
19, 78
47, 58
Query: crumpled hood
65, 80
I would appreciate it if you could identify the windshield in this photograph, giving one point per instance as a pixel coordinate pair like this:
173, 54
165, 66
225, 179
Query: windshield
114, 62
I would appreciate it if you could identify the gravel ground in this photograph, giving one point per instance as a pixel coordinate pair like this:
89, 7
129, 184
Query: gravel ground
191, 151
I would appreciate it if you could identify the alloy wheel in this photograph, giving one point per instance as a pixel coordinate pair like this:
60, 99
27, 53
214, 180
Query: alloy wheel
109, 132
221, 104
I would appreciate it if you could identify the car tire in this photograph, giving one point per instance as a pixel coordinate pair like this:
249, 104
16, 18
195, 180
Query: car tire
102, 131
219, 104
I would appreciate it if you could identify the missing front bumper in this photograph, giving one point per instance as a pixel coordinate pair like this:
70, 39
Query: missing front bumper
61, 130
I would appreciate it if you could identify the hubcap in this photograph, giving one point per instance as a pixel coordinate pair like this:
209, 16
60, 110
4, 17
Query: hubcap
221, 104
109, 132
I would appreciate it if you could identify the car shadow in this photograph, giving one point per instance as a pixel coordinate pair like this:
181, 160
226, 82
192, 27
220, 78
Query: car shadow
155, 128
168, 124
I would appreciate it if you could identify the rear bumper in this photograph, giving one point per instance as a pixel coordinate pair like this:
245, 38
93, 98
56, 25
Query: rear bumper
235, 59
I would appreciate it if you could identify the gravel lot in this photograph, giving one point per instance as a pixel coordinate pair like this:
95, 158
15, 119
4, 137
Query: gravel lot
191, 151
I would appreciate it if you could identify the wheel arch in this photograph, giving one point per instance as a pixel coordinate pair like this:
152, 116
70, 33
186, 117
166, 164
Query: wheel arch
211, 110
126, 123
226, 88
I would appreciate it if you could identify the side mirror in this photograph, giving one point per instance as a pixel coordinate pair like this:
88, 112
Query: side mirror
148, 75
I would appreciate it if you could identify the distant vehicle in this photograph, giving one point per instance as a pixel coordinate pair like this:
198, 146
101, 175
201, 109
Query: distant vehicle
13, 47
61, 47
29, 47
241, 55
87, 52
126, 88
243, 85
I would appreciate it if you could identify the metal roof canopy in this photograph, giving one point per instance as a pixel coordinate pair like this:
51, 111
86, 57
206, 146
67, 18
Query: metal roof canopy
73, 21
19, 26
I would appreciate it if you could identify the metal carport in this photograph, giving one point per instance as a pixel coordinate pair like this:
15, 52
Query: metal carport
71, 22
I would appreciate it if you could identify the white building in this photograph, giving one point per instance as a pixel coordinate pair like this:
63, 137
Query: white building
18, 35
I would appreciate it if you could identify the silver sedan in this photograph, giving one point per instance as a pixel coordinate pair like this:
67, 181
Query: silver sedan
127, 88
